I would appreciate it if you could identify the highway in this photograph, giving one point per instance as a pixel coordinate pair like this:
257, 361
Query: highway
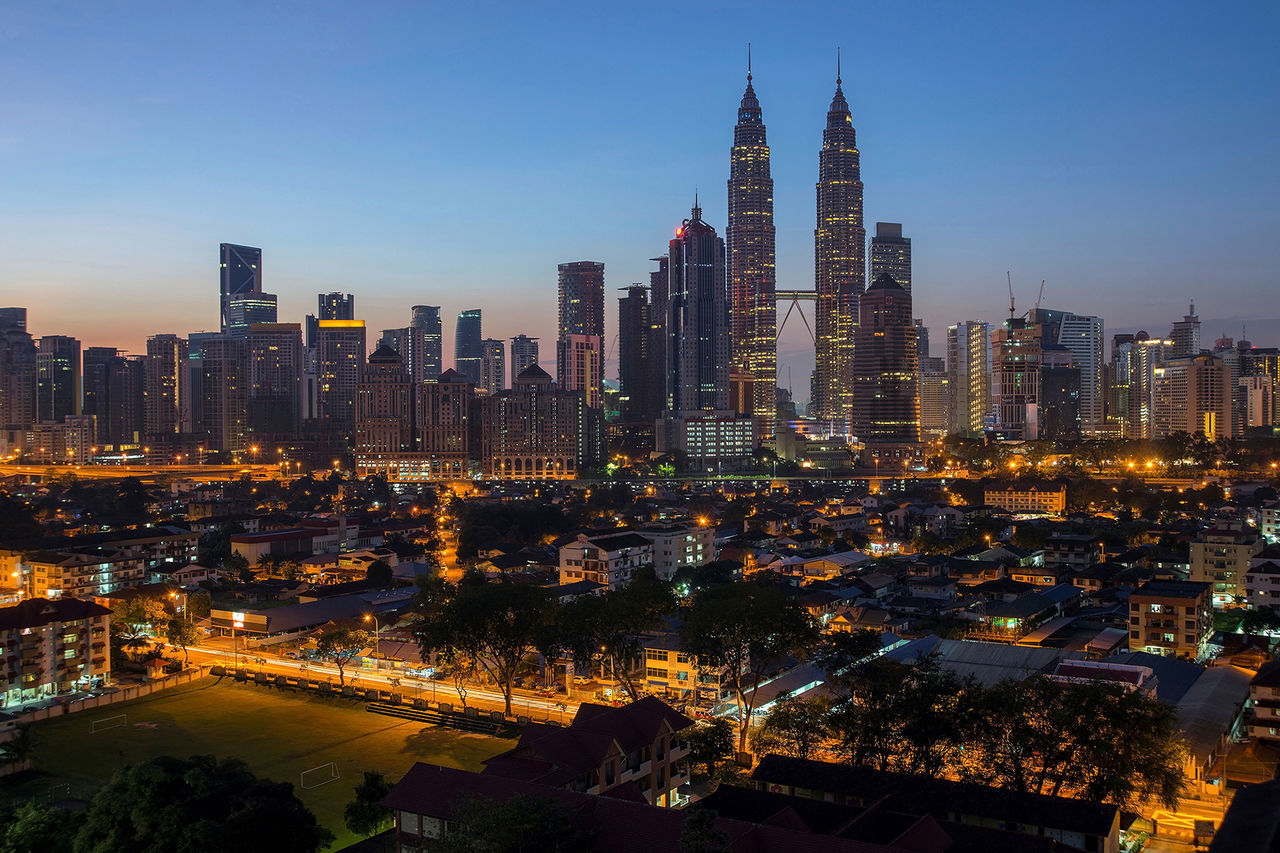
522, 703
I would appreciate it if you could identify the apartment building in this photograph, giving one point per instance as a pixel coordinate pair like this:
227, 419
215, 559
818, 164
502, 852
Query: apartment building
1047, 499
80, 574
52, 646
1171, 618
608, 559
1221, 556
674, 673
676, 546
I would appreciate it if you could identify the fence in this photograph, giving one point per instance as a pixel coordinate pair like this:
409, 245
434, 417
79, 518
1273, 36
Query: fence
86, 703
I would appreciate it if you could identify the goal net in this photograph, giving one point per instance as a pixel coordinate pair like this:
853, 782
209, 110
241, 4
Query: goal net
105, 723
317, 776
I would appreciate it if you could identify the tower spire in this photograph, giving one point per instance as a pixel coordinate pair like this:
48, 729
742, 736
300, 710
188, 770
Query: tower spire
748, 62
838, 66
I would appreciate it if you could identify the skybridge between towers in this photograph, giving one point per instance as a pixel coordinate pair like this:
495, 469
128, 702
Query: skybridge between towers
794, 298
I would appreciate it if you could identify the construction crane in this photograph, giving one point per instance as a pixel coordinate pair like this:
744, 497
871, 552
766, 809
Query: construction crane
1041, 296
1009, 279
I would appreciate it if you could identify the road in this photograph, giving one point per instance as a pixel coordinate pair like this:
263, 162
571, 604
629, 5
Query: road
522, 704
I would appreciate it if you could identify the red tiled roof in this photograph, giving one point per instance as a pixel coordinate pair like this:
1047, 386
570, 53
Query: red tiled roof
35, 612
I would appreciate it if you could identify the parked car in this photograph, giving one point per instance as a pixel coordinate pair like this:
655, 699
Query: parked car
581, 680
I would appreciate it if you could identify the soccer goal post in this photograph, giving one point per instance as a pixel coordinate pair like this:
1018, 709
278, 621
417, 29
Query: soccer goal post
113, 722
317, 776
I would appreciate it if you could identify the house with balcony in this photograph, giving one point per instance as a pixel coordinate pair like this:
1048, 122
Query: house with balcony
52, 646
641, 744
1264, 697
1171, 618
609, 558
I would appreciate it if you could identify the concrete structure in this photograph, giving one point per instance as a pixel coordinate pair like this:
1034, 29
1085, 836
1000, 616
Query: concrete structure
1015, 385
524, 352
1171, 618
680, 545
582, 367
715, 441
340, 356
968, 375
276, 363
608, 559
886, 397
1192, 394
493, 366
1047, 499
536, 431
53, 646
385, 409
1221, 556
468, 351
426, 319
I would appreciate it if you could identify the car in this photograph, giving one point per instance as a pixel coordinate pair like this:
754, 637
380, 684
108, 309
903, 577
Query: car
559, 688
581, 680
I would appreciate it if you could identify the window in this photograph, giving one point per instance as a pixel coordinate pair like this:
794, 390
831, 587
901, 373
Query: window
654, 672
655, 654
682, 657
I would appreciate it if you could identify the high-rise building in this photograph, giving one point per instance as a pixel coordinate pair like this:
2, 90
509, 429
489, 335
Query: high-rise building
97, 369
385, 409
580, 368
839, 265
1146, 355
17, 379
58, 379
656, 342
524, 352
427, 318
276, 361
1082, 336
224, 368
922, 335
444, 425
1256, 403
1186, 334
410, 343
935, 397
245, 309
697, 340
330, 306
166, 385
891, 253
750, 245
535, 430
968, 375
1117, 384
113, 395
13, 318
239, 274
1192, 394
1058, 401
633, 348
1016, 350
886, 398
581, 303
493, 365
468, 352
340, 356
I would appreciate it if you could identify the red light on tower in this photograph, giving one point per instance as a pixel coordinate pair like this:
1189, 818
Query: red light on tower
680, 231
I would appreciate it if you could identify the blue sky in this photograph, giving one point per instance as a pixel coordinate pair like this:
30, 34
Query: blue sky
454, 154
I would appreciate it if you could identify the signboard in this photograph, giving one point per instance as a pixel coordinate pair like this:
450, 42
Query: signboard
237, 620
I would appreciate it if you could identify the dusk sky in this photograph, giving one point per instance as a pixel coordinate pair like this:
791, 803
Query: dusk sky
453, 154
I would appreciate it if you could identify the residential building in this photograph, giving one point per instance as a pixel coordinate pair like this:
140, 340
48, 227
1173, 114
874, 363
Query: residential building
1192, 394
524, 352
1269, 522
410, 343
1171, 618
633, 352
53, 646
1145, 356
1221, 555
1256, 401
340, 356
468, 349
69, 442
675, 674
81, 573
1262, 583
1073, 551
679, 545
1185, 334
1043, 498
609, 559
839, 266
1264, 696
493, 366
935, 398
59, 389
166, 386
752, 279
968, 375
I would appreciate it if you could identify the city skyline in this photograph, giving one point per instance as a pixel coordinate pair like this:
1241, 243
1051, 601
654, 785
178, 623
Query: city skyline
1077, 195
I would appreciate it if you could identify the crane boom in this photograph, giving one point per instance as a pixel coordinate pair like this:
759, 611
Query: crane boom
1009, 280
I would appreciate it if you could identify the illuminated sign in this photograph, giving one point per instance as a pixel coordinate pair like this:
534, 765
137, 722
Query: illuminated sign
237, 620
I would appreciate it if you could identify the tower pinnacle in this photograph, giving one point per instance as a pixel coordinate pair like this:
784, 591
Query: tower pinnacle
748, 62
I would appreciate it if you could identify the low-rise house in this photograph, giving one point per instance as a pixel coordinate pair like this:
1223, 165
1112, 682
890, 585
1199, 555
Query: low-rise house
640, 744
189, 576
609, 559
1047, 575
53, 646
1073, 550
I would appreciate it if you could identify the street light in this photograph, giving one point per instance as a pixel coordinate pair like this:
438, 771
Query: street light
368, 617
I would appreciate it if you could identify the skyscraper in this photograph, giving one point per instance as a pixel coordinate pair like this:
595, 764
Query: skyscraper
17, 378
1192, 394
581, 303
58, 378
340, 356
633, 348
275, 379
330, 306
166, 409
468, 352
410, 343
750, 243
968, 375
493, 365
239, 274
1083, 337
385, 408
1186, 334
580, 368
891, 253
245, 309
935, 397
224, 368
427, 318
1016, 356
656, 342
839, 264
697, 334
524, 352
886, 397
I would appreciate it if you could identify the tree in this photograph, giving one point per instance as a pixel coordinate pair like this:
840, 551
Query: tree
794, 727
199, 605
745, 629
605, 629
32, 826
842, 654
495, 624
379, 574
133, 620
459, 667
364, 815
341, 644
18, 748
521, 824
700, 833
196, 805
710, 745
182, 633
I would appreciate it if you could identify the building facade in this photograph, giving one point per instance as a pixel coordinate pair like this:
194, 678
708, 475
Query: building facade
52, 647
426, 319
697, 334
340, 356
468, 349
1170, 618
239, 275
493, 365
886, 396
891, 255
1221, 557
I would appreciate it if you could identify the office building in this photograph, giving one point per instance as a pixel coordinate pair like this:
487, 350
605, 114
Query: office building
58, 378
1185, 334
840, 266
1145, 355
1082, 337
410, 343
633, 349
524, 352
581, 310
656, 342
468, 351
239, 275
697, 334
113, 395
1058, 403
276, 360
1255, 401
581, 368
712, 441
245, 309
444, 426
1016, 350
968, 375
935, 398
891, 254
493, 366
385, 409
751, 256
1192, 394
427, 319
17, 379
330, 306
535, 430
166, 385
886, 401
340, 356
224, 395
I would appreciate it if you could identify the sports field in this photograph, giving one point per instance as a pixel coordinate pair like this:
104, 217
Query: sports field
278, 734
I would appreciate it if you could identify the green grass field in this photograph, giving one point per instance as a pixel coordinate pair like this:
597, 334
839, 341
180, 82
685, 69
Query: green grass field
278, 734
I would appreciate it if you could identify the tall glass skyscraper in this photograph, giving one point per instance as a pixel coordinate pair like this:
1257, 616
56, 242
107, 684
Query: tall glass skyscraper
581, 292
524, 352
427, 318
891, 254
839, 265
750, 242
468, 351
698, 323
239, 274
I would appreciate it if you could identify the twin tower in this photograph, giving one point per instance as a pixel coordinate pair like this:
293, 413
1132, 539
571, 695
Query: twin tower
839, 252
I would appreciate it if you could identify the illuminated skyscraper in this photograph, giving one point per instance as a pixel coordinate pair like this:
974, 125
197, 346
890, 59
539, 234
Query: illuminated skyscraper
468, 352
275, 379
427, 318
839, 264
749, 241
697, 340
886, 395
166, 408
239, 274
968, 375
58, 378
891, 253
581, 289
340, 356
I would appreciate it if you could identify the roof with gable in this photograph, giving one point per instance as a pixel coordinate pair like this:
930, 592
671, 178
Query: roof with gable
35, 612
